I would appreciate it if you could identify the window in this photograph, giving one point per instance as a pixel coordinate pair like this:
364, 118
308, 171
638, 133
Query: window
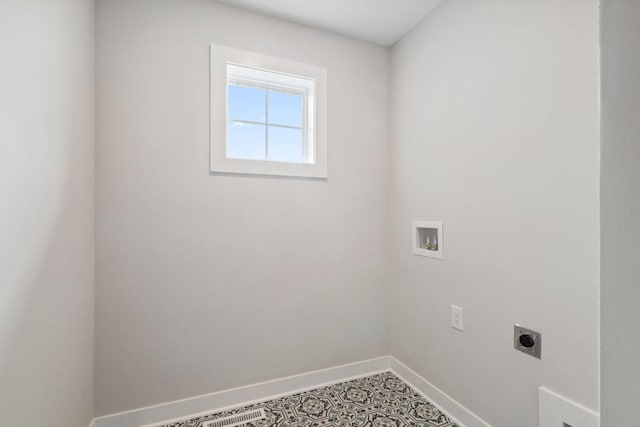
268, 115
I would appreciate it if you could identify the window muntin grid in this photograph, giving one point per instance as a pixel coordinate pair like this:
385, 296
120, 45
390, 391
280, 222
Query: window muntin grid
267, 125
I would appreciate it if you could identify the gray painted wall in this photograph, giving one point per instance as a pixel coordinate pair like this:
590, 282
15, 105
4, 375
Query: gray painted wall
211, 282
620, 203
46, 212
495, 132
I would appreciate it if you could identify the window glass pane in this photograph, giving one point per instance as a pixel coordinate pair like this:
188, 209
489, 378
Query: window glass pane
285, 144
246, 141
285, 109
247, 103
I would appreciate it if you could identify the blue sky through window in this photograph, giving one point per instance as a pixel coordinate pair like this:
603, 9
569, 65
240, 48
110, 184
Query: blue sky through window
285, 109
261, 132
247, 103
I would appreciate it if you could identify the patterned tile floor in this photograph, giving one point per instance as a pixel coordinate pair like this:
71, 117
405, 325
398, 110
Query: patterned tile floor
377, 401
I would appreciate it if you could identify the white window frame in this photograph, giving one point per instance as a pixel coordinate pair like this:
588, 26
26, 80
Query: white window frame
315, 116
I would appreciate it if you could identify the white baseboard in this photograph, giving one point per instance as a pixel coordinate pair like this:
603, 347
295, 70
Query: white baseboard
555, 410
448, 405
233, 398
241, 396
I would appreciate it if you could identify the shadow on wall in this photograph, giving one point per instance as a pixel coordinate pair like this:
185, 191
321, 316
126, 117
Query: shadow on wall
46, 291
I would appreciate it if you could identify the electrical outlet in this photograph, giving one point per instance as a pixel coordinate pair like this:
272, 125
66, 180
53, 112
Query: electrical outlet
457, 318
527, 341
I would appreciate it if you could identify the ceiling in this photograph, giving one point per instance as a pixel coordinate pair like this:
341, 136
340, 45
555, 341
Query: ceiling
382, 22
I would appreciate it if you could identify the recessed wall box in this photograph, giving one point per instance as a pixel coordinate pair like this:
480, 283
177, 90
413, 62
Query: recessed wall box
427, 238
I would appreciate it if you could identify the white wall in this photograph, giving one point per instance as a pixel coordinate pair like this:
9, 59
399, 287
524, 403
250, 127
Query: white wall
495, 132
46, 212
620, 202
211, 282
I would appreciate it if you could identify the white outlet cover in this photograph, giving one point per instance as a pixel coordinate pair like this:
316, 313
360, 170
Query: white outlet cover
457, 317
